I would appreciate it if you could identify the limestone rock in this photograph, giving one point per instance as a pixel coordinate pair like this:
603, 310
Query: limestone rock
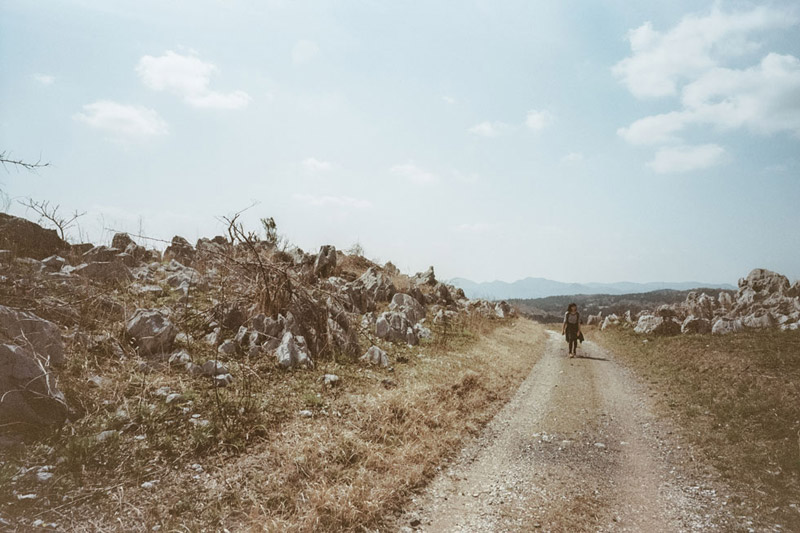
29, 393
326, 261
657, 325
27, 239
723, 326
180, 250
376, 356
409, 306
104, 271
503, 310
395, 327
694, 324
152, 331
293, 351
37, 335
425, 278
121, 241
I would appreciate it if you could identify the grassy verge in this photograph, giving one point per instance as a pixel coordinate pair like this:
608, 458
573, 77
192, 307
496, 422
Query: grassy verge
244, 457
737, 399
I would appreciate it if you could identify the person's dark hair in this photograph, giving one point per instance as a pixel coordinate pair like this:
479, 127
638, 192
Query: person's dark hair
570, 306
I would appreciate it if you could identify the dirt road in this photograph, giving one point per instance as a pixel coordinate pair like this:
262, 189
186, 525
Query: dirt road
577, 449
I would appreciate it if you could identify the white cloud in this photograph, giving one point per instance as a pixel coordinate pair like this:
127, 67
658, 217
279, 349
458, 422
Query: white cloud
659, 62
488, 129
686, 158
44, 79
313, 164
304, 51
762, 99
573, 157
126, 121
656, 129
449, 100
538, 120
188, 77
412, 172
332, 201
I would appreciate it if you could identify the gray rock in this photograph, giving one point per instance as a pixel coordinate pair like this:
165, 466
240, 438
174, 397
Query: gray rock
37, 335
222, 380
28, 391
305, 413
104, 271
723, 326
106, 435
121, 241
27, 239
694, 324
610, 321
326, 261
503, 310
212, 339
181, 357
375, 356
293, 351
759, 320
395, 327
594, 320
100, 254
422, 332
228, 347
268, 326
193, 369
329, 380
657, 325
700, 306
666, 311
54, 263
175, 397
425, 278
180, 250
409, 306
152, 331
212, 368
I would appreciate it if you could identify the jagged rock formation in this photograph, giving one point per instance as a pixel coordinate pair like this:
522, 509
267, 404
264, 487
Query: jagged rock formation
202, 308
765, 299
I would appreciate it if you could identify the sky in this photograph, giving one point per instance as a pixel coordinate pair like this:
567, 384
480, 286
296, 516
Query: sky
577, 141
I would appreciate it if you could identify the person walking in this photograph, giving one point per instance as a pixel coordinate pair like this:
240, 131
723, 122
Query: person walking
572, 328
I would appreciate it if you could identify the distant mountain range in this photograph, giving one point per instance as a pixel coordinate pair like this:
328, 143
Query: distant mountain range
542, 288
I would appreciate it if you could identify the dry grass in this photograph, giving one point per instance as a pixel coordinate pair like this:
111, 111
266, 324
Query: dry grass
737, 399
371, 442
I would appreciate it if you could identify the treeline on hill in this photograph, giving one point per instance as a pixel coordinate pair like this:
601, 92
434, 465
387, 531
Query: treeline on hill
552, 308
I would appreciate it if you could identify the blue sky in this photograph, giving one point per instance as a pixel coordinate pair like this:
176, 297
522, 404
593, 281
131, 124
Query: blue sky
577, 141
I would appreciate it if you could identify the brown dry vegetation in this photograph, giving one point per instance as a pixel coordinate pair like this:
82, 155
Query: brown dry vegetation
737, 399
241, 457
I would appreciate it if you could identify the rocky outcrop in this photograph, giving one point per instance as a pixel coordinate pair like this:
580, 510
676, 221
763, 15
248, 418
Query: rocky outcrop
409, 306
723, 326
180, 250
610, 321
395, 327
104, 272
28, 239
325, 263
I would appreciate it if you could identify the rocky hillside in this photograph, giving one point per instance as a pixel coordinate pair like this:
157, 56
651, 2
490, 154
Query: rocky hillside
197, 308
765, 299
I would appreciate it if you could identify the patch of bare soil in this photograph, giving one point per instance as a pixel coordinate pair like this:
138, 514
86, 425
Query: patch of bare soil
577, 449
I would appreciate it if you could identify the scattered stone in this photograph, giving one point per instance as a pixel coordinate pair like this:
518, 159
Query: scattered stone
152, 331
293, 351
222, 380
39, 336
329, 380
409, 306
326, 261
175, 397
305, 413
112, 271
395, 327
657, 325
213, 367
106, 435
29, 394
228, 347
376, 356
694, 324
723, 326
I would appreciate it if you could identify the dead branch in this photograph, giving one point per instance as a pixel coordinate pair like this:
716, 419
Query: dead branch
50, 213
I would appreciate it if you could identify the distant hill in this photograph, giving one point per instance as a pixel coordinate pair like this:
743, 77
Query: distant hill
552, 308
542, 288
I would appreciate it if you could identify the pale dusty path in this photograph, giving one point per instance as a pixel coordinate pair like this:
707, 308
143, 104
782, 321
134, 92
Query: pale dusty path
576, 449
